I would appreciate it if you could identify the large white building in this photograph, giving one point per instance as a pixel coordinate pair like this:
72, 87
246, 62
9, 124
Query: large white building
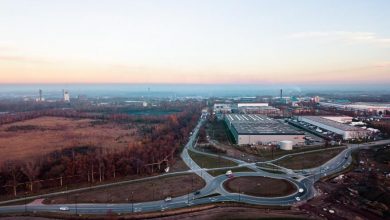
65, 96
222, 108
372, 108
260, 129
254, 104
346, 131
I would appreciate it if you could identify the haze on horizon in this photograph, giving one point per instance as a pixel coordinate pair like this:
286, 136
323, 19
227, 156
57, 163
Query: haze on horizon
195, 42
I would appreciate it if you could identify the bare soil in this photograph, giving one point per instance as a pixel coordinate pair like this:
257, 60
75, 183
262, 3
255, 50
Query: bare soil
260, 186
363, 192
239, 213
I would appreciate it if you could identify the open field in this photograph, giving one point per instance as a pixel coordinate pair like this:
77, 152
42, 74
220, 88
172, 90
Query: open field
267, 154
260, 186
148, 190
308, 160
177, 166
155, 112
358, 192
209, 161
37, 137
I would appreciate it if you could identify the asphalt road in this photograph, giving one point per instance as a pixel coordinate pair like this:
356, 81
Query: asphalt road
302, 179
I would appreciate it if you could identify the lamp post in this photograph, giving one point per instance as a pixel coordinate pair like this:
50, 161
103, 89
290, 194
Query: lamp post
239, 193
153, 190
25, 202
188, 197
75, 202
132, 201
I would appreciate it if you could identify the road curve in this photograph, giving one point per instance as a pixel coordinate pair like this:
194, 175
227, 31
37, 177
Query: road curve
302, 179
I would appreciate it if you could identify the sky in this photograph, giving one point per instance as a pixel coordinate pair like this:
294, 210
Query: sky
195, 42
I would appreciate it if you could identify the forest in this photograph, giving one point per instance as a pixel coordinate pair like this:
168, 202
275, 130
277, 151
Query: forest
160, 143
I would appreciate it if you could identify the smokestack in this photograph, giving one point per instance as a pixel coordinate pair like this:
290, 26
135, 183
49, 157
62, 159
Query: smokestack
281, 93
40, 95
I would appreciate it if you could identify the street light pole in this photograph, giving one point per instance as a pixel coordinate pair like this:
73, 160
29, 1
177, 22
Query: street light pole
25, 202
192, 182
75, 202
153, 190
239, 193
132, 202
188, 197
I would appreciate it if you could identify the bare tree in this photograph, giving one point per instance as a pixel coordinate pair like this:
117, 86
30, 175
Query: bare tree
31, 169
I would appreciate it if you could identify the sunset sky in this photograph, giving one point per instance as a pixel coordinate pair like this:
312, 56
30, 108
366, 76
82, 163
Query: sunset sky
200, 41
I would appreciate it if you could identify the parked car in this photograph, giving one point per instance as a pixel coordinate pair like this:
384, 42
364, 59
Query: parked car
64, 208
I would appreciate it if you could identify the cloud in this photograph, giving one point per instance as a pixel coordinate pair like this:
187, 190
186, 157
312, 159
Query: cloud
349, 37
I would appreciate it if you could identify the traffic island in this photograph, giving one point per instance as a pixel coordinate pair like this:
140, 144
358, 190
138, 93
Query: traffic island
260, 186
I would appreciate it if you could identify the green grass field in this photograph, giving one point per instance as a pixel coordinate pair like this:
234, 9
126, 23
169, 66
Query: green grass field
308, 160
205, 161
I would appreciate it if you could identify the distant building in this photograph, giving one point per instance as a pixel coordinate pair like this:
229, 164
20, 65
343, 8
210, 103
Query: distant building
66, 96
260, 129
137, 103
40, 98
82, 97
360, 107
261, 110
222, 108
294, 101
252, 104
316, 99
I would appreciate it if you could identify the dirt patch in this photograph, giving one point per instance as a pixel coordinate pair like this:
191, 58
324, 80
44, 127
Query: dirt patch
149, 190
240, 213
260, 186
37, 137
360, 193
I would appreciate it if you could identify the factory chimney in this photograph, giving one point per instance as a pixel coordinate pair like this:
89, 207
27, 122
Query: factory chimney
281, 93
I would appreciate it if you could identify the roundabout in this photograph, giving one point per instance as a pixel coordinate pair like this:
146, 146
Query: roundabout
259, 186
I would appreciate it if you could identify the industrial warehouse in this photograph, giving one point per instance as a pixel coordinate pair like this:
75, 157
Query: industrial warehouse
260, 129
347, 132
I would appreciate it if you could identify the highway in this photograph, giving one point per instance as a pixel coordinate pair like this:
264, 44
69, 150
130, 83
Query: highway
302, 179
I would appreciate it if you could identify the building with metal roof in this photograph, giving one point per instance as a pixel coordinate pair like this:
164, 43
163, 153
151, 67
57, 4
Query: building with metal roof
260, 129
346, 131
